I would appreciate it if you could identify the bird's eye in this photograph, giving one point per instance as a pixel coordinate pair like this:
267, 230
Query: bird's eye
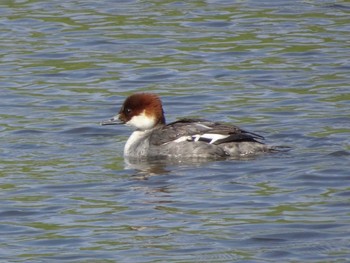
127, 110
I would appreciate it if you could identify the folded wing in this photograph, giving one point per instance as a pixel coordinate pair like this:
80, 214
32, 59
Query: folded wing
202, 130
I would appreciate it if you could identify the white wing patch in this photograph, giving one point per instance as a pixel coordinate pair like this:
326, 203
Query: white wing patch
183, 139
209, 136
203, 126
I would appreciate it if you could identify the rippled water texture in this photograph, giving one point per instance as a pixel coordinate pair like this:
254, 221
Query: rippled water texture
278, 68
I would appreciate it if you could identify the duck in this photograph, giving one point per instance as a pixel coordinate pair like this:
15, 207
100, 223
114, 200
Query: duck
152, 137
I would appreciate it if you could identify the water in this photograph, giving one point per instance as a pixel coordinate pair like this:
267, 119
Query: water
278, 68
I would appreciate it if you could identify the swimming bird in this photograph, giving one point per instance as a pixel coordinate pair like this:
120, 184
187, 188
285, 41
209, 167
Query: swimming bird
184, 138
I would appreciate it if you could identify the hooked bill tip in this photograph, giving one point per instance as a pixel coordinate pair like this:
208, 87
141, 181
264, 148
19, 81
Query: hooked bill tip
113, 121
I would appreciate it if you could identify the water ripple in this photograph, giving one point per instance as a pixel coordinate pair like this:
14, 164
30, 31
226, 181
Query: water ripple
278, 69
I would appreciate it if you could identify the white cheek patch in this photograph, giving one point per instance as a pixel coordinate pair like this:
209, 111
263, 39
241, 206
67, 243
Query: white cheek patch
142, 122
211, 137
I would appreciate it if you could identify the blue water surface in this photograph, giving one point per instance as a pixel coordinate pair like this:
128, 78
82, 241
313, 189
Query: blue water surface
277, 68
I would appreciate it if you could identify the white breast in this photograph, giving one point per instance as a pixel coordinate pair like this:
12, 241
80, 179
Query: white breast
136, 144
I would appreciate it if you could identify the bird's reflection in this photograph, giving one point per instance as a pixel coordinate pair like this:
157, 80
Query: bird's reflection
148, 167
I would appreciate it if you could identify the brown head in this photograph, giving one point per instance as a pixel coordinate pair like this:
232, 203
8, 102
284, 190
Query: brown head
142, 111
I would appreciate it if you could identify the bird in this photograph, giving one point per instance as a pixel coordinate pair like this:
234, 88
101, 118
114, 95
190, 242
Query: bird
185, 138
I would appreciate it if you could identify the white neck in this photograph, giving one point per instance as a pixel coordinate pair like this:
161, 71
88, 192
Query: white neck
138, 143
